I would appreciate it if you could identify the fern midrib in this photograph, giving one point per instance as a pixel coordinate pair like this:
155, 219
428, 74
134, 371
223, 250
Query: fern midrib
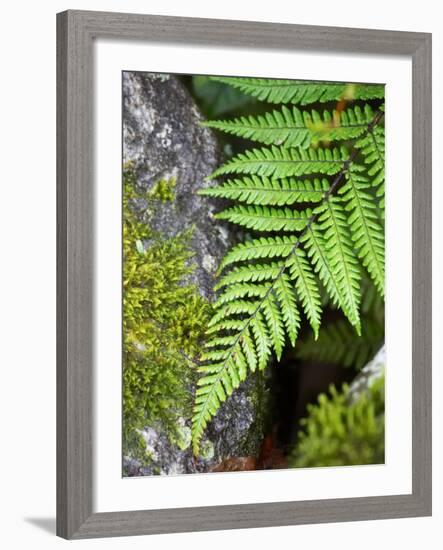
262, 216
290, 161
235, 125
272, 190
239, 125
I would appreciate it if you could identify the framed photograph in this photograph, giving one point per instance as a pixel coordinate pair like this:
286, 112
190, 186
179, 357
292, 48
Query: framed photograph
244, 274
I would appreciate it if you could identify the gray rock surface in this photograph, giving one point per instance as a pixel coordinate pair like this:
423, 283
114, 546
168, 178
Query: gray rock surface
163, 139
368, 374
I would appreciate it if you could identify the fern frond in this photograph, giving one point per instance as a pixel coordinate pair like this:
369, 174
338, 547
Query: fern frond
281, 163
301, 92
248, 346
372, 148
336, 126
340, 254
316, 249
266, 282
338, 345
288, 303
233, 308
285, 127
241, 290
224, 325
221, 341
261, 272
307, 288
217, 382
263, 218
256, 249
272, 192
366, 232
295, 128
274, 321
262, 339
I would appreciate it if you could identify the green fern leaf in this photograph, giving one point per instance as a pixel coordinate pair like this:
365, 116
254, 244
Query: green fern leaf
266, 280
282, 163
256, 249
288, 304
372, 147
261, 272
249, 350
274, 321
241, 290
335, 126
225, 324
339, 251
338, 345
262, 340
307, 288
267, 191
233, 308
218, 381
285, 127
302, 92
263, 218
366, 232
316, 249
295, 128
221, 341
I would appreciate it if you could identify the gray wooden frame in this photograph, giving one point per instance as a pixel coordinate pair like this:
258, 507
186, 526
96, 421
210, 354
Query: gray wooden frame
76, 31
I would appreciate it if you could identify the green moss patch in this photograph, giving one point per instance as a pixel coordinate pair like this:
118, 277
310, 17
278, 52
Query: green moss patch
164, 319
164, 190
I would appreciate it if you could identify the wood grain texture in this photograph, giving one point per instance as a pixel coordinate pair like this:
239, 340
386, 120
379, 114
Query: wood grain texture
74, 280
76, 31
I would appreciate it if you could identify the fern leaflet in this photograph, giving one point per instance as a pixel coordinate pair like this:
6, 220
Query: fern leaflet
302, 92
295, 128
267, 191
281, 163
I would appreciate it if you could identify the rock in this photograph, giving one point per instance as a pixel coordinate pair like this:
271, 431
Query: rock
368, 374
163, 139
172, 154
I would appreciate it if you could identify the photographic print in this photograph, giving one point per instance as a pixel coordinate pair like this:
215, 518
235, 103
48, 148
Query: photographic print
253, 276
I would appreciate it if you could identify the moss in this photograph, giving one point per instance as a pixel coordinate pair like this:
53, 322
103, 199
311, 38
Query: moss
164, 319
163, 190
342, 432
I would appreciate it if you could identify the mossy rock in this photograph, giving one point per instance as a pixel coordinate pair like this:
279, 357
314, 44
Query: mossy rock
172, 248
